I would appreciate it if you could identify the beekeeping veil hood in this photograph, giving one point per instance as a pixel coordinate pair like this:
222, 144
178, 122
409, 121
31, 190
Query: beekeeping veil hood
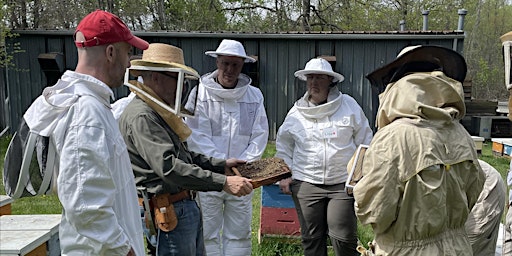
166, 58
420, 58
424, 84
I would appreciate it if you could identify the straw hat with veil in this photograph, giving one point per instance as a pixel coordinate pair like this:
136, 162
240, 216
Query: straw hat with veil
164, 58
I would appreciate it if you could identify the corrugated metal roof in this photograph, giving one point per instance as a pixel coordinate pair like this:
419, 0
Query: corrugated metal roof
419, 34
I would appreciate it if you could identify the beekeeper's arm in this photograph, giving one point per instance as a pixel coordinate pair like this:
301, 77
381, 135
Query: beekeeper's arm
377, 194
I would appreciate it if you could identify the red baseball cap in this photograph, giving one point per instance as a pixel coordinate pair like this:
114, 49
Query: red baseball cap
101, 27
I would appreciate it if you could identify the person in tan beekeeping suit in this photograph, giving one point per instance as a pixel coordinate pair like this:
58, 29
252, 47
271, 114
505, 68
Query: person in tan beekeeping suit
421, 175
506, 40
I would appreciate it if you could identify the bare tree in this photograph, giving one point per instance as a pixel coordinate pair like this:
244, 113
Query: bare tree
305, 14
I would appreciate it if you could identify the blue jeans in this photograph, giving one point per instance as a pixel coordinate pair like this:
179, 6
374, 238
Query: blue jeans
187, 238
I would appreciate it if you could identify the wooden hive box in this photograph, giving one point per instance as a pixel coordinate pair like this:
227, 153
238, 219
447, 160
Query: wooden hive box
507, 147
497, 146
479, 142
282, 222
31, 235
278, 216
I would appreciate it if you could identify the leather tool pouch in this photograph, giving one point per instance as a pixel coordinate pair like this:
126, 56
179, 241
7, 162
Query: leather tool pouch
165, 216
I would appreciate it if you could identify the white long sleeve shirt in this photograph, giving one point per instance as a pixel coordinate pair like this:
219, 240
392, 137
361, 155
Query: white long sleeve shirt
96, 187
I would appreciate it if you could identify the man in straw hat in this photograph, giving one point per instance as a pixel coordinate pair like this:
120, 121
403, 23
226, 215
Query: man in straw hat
162, 163
101, 215
317, 138
231, 122
421, 175
506, 41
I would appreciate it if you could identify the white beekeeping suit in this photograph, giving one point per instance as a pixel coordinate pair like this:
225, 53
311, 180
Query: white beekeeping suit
482, 225
230, 122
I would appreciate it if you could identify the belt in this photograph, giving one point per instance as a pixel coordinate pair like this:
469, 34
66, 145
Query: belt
163, 200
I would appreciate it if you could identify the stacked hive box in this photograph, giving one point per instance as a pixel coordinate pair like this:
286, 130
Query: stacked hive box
502, 147
507, 148
30, 235
479, 141
278, 216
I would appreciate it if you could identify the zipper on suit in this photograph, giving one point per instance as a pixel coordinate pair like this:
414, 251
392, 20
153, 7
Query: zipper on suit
229, 137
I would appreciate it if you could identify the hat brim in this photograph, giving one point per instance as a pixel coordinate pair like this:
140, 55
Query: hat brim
452, 63
506, 37
216, 54
301, 74
138, 43
159, 64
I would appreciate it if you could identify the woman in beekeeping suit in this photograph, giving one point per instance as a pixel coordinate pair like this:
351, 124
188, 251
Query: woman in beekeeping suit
317, 138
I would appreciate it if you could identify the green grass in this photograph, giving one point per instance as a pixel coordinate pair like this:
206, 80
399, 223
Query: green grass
270, 246
29, 205
502, 164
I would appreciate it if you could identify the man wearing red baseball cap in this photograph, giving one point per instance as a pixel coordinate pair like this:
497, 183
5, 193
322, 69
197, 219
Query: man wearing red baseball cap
101, 27
95, 185
104, 47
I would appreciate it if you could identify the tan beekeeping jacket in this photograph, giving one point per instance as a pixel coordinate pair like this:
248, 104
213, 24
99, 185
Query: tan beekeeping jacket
421, 172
